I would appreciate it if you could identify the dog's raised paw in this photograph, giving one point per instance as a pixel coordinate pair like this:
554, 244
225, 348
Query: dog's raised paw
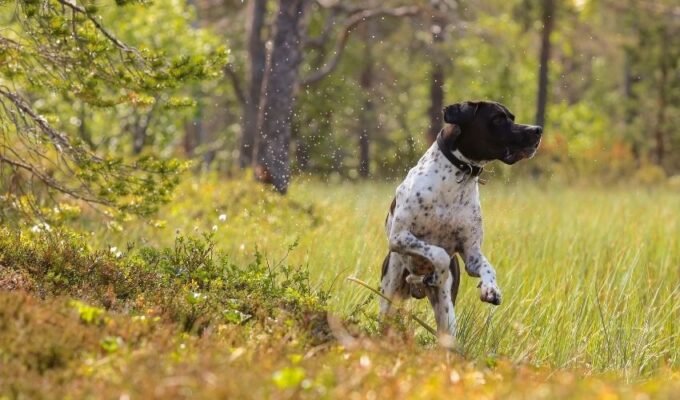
490, 293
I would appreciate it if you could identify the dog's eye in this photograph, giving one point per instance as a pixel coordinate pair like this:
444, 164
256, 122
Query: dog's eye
500, 119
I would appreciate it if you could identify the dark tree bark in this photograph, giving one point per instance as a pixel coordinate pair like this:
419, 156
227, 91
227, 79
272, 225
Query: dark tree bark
192, 136
83, 131
354, 20
548, 19
272, 164
629, 95
438, 25
364, 140
257, 10
662, 99
140, 126
436, 101
366, 118
301, 147
436, 81
196, 137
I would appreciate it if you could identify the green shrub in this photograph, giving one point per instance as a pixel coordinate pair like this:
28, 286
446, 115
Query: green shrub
190, 283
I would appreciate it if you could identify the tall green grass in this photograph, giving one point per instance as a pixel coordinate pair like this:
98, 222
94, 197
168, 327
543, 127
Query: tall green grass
590, 275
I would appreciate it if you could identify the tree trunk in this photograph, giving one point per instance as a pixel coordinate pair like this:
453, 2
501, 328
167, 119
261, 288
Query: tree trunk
436, 101
662, 99
364, 141
83, 131
272, 164
366, 119
436, 81
257, 58
140, 138
301, 146
548, 24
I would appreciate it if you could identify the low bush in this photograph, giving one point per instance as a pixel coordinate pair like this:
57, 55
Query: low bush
189, 283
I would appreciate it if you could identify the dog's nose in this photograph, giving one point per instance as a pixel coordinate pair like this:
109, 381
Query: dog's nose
538, 131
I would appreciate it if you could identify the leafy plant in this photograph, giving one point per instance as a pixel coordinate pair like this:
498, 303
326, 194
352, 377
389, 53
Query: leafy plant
59, 49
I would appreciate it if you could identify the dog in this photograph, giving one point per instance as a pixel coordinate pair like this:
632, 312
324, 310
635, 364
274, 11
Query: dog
436, 211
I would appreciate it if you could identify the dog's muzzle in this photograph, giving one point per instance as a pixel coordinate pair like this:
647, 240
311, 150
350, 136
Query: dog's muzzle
532, 140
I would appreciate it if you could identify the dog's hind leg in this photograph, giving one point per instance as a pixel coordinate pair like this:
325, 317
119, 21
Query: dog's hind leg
443, 298
393, 284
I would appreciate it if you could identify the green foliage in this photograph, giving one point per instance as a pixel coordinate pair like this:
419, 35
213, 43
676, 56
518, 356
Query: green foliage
189, 283
69, 86
88, 314
97, 67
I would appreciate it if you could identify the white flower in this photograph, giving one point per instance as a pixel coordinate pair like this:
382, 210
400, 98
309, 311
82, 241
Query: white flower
42, 226
222, 217
214, 228
116, 253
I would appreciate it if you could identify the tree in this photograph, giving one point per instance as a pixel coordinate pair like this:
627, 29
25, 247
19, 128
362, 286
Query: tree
276, 106
548, 20
61, 47
257, 63
438, 28
272, 163
367, 113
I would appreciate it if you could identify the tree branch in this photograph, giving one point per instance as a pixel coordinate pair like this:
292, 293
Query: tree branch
352, 22
329, 23
59, 140
76, 8
51, 182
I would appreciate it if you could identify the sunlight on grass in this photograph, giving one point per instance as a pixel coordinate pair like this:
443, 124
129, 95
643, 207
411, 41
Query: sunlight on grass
589, 275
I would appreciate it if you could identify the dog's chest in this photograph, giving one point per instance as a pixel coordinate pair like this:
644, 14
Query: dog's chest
446, 211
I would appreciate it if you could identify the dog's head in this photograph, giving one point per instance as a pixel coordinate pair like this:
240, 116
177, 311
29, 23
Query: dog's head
487, 131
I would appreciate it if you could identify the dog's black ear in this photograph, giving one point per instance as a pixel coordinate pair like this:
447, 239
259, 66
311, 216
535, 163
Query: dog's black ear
460, 113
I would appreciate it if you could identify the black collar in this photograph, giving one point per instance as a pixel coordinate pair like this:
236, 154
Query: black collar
466, 168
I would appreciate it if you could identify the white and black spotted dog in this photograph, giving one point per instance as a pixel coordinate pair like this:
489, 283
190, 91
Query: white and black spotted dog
436, 211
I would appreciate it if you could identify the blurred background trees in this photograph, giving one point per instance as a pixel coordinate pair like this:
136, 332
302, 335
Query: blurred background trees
338, 89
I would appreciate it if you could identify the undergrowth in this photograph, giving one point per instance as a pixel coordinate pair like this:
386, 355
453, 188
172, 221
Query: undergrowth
189, 283
145, 310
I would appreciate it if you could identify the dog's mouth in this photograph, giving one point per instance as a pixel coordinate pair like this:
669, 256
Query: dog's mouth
514, 155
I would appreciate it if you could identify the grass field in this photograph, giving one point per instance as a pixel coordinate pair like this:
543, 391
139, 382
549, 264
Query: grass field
591, 307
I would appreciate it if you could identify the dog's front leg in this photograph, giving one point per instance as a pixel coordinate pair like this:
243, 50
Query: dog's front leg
477, 265
404, 242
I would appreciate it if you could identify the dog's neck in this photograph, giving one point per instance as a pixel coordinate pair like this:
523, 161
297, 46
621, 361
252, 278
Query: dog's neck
459, 155
446, 144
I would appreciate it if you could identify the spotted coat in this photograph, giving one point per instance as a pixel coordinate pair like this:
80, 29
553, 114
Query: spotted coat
436, 213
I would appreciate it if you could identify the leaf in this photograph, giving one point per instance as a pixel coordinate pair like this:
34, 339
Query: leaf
289, 377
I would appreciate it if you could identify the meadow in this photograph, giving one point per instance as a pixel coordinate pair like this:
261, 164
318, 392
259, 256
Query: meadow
154, 245
590, 277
